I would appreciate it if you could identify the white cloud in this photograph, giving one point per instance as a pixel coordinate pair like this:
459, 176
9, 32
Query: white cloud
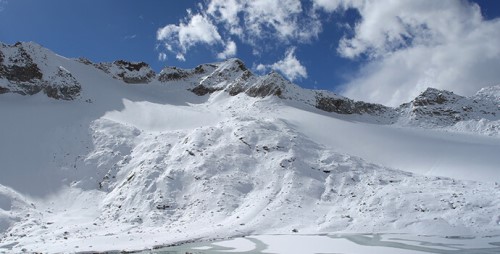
253, 22
180, 57
415, 44
229, 51
327, 5
162, 57
290, 66
130, 37
197, 29
226, 11
261, 68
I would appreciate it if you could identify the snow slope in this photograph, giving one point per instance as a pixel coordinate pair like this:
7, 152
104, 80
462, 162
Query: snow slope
131, 166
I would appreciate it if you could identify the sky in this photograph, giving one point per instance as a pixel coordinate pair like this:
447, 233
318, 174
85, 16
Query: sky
383, 51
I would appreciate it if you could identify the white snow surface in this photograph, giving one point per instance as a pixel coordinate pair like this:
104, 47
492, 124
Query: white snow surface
341, 243
130, 167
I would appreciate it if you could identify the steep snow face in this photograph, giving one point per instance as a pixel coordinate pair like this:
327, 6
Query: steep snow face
421, 151
248, 169
24, 70
129, 72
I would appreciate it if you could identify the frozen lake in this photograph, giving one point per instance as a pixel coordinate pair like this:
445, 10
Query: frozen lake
341, 243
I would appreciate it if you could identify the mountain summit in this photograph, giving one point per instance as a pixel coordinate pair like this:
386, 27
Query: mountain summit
95, 154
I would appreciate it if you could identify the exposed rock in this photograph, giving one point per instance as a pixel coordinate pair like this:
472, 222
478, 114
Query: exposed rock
230, 75
337, 105
27, 73
64, 86
129, 72
438, 108
264, 90
361, 107
84, 61
199, 69
433, 96
343, 105
172, 74
23, 75
272, 84
240, 64
22, 67
235, 89
201, 90
228, 72
132, 66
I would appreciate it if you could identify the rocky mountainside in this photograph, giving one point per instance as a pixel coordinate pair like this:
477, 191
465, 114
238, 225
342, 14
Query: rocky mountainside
443, 108
112, 156
23, 70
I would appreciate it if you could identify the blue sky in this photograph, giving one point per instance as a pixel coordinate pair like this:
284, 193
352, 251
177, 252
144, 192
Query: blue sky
380, 51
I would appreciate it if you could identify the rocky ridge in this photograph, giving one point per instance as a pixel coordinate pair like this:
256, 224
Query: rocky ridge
24, 70
129, 72
441, 108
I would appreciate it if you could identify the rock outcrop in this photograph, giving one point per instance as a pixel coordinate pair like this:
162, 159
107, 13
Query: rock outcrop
20, 73
129, 72
435, 107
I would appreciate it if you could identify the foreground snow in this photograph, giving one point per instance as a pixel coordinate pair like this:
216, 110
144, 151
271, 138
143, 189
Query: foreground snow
148, 176
130, 167
342, 243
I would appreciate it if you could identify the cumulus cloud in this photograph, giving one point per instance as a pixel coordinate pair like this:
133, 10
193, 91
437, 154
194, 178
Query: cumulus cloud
229, 51
226, 11
261, 68
289, 66
180, 57
196, 29
411, 45
254, 22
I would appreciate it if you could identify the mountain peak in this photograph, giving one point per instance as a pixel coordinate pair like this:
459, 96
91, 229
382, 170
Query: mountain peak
25, 70
433, 96
28, 68
491, 93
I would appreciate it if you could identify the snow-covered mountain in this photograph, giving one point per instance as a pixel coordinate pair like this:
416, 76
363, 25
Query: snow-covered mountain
112, 156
